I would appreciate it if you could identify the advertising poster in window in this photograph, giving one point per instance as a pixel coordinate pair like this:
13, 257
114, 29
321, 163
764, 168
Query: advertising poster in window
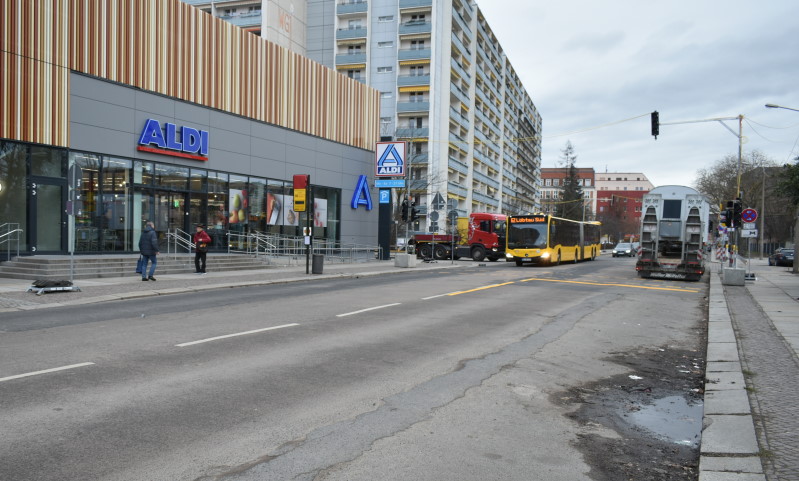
280, 210
237, 206
320, 212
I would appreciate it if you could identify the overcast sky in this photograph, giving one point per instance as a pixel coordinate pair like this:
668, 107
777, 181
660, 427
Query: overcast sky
589, 63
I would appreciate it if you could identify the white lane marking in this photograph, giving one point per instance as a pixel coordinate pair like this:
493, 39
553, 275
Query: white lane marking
255, 331
433, 297
365, 310
55, 369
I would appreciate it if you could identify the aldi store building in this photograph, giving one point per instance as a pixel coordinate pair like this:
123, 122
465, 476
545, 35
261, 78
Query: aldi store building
164, 113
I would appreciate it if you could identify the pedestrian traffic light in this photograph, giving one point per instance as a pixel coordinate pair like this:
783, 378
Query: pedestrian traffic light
405, 210
414, 212
655, 124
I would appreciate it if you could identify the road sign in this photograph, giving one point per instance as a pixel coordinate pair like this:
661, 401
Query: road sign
433, 216
749, 233
389, 183
749, 215
750, 225
385, 196
438, 201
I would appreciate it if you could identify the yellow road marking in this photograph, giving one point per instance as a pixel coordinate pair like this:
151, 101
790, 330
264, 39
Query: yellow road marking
480, 288
613, 285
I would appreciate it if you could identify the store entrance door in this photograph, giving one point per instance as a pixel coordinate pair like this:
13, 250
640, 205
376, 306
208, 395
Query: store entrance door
47, 200
171, 212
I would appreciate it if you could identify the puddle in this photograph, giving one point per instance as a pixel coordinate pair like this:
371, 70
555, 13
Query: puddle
671, 418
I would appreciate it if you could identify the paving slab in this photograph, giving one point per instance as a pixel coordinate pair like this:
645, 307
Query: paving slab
744, 464
721, 334
727, 402
723, 366
722, 351
728, 476
729, 434
723, 381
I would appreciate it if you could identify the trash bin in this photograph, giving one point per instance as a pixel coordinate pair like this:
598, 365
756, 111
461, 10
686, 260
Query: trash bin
318, 263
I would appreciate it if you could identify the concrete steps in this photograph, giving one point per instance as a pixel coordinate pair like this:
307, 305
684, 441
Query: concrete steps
93, 267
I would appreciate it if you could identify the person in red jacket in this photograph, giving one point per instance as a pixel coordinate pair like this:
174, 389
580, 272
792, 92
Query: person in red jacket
201, 240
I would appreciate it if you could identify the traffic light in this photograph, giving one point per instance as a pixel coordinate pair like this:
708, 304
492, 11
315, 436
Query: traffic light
414, 212
738, 209
655, 124
405, 210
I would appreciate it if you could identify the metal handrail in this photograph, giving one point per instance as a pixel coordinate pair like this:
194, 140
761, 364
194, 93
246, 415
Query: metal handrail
10, 234
178, 238
275, 245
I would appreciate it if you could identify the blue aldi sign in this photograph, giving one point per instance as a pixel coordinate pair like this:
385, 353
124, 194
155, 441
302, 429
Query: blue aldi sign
188, 142
390, 159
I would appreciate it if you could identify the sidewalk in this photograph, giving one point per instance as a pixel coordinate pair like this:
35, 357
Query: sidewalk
13, 295
753, 343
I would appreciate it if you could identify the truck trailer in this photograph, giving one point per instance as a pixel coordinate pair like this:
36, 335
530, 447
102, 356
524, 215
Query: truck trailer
674, 232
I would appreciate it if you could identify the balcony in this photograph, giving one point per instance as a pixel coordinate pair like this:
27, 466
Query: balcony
459, 94
477, 196
415, 27
459, 70
350, 58
463, 121
413, 80
486, 160
417, 159
413, 133
458, 166
415, 3
485, 179
456, 189
352, 7
461, 47
348, 33
408, 107
412, 53
462, 23
244, 20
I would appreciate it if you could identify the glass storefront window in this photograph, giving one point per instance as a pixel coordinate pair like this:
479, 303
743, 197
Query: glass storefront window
115, 220
143, 172
275, 198
171, 177
256, 202
237, 204
13, 190
197, 180
217, 209
47, 162
87, 222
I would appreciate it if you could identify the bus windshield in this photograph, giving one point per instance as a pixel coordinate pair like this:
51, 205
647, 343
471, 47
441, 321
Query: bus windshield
527, 236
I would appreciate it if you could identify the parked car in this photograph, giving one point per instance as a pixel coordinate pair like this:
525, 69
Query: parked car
625, 249
783, 257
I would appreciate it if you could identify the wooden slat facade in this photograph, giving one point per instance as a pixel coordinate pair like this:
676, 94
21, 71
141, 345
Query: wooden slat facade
174, 49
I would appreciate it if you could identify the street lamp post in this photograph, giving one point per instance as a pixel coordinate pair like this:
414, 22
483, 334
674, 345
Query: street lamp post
796, 221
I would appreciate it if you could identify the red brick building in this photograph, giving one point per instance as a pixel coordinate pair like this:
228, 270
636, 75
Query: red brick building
618, 202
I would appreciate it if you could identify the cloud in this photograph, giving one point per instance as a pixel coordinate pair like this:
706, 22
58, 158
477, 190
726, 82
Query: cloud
595, 42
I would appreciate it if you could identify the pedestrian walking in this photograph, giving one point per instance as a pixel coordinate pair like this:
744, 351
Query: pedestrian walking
201, 240
148, 248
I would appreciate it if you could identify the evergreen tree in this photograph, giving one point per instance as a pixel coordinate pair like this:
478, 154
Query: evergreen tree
571, 196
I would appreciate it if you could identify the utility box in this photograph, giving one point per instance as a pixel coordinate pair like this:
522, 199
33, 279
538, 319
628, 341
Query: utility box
318, 263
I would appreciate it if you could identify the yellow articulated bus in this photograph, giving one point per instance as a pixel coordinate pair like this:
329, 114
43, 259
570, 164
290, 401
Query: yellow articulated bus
544, 239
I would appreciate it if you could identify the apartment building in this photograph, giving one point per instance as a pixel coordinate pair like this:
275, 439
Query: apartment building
551, 186
448, 88
619, 196
280, 21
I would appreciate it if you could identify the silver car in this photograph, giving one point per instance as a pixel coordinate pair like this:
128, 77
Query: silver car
625, 249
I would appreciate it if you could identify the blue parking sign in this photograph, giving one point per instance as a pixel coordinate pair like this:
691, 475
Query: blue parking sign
385, 196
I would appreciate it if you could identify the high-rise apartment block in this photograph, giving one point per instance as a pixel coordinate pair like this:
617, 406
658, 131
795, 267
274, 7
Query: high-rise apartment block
447, 87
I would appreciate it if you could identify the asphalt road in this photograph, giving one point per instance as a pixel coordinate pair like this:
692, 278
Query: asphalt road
438, 375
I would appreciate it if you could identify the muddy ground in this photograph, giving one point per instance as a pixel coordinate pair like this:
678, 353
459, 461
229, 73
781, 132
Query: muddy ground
640, 453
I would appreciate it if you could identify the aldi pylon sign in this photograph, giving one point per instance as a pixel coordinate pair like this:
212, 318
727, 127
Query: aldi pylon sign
390, 159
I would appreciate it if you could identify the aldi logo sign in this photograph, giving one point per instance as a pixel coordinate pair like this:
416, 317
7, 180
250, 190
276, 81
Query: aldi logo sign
390, 159
188, 143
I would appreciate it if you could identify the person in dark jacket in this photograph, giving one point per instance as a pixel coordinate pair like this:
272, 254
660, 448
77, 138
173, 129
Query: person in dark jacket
201, 240
148, 247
